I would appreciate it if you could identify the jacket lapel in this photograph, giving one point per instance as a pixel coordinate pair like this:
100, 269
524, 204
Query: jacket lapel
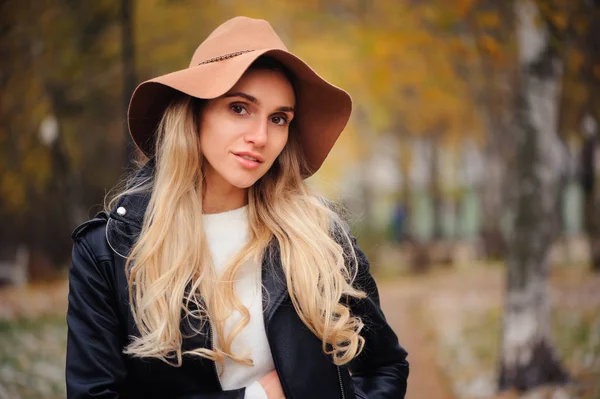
273, 279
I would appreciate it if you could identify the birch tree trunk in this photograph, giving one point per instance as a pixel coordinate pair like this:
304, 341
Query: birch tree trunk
528, 357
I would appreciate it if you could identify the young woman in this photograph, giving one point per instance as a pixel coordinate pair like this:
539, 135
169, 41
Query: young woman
217, 273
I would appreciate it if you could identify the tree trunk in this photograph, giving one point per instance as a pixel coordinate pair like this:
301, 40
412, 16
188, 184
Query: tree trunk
128, 60
492, 199
406, 199
435, 189
528, 357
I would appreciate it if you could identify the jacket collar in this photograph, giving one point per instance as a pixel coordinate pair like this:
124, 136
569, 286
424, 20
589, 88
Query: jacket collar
125, 223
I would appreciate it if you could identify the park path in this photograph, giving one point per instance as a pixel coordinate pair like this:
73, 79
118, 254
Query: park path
426, 380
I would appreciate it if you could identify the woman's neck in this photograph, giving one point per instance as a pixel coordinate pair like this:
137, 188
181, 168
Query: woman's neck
222, 202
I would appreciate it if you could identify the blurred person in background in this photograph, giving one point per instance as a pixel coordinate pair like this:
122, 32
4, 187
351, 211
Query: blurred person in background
217, 272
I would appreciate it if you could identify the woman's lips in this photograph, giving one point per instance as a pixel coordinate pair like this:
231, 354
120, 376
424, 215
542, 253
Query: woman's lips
246, 163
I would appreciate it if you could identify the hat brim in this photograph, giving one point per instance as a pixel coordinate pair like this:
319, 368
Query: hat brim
322, 110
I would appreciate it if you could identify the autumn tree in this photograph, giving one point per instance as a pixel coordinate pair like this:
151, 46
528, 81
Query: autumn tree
528, 357
56, 91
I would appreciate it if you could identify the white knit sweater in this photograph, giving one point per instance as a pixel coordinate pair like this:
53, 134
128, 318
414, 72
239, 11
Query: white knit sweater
227, 233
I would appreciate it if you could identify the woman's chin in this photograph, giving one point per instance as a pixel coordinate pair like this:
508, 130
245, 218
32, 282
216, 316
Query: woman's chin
244, 182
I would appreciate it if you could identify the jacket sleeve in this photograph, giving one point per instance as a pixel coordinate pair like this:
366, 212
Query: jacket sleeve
95, 366
381, 370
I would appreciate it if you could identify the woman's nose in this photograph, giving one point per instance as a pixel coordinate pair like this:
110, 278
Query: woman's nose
257, 133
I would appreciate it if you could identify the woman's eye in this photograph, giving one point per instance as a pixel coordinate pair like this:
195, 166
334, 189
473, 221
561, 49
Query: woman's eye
238, 109
279, 120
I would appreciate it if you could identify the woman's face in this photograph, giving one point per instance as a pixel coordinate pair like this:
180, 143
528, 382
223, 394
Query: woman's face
250, 121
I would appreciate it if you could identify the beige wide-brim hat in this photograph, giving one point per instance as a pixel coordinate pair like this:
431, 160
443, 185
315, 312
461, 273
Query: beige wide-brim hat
322, 110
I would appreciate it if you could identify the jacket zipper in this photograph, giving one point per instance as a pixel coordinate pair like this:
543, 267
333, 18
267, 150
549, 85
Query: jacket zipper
212, 346
341, 383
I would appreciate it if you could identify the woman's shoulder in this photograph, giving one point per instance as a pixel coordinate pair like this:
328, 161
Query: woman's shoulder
92, 235
90, 225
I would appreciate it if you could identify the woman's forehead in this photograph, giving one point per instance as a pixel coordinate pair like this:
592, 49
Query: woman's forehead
266, 86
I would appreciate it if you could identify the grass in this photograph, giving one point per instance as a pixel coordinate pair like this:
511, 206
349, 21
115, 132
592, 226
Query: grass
577, 337
32, 358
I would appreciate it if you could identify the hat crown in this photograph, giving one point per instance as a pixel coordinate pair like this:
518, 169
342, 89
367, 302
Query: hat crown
239, 34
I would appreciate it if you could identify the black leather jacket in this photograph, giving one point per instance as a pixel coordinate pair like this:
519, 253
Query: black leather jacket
100, 323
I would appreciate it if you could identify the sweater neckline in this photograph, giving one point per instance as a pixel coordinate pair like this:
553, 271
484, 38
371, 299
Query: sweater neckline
234, 215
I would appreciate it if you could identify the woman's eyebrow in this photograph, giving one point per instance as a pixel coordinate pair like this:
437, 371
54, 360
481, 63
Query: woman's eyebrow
285, 109
254, 100
248, 97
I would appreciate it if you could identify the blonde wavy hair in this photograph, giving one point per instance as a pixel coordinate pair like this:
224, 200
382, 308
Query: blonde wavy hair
169, 269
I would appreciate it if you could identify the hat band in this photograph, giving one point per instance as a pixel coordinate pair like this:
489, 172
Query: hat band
224, 57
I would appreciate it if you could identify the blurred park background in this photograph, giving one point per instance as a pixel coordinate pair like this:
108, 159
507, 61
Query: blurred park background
470, 165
